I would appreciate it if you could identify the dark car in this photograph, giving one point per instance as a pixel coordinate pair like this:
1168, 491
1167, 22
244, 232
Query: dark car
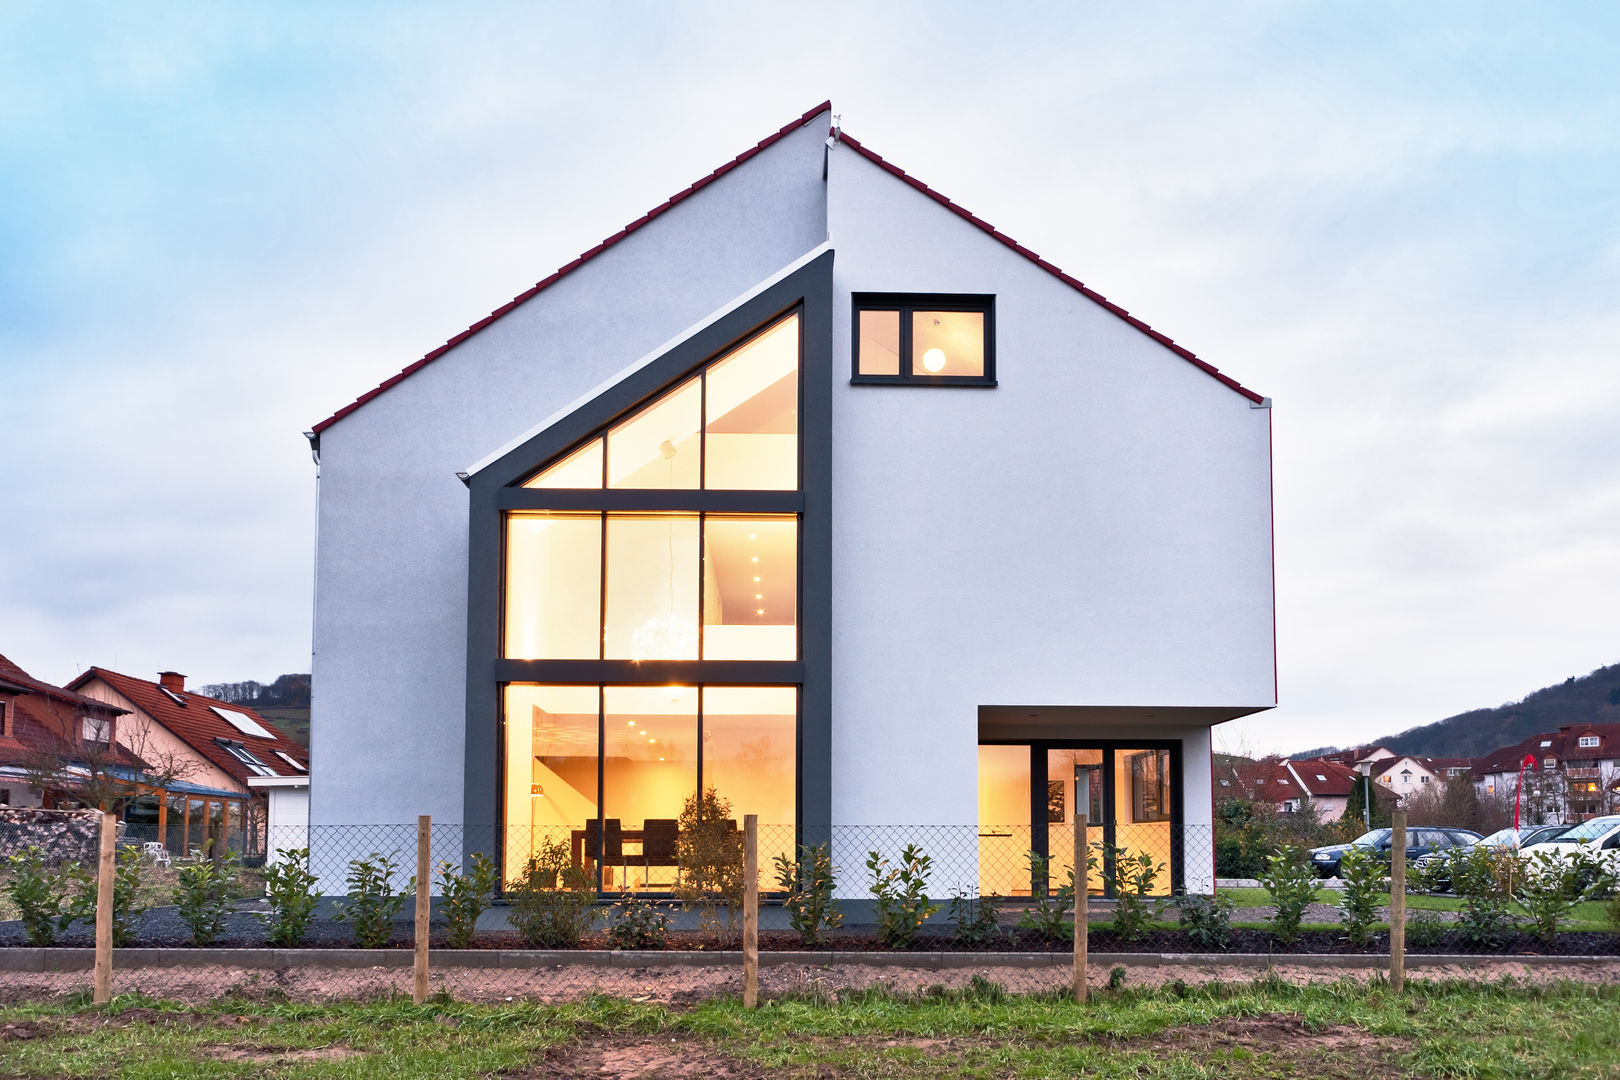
1503, 839
1419, 842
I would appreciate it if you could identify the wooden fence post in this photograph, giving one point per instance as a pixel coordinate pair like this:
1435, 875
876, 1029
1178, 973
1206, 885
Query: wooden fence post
1397, 901
104, 907
424, 905
1082, 903
750, 941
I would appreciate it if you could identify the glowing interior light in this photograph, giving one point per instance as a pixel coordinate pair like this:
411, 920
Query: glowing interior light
761, 611
934, 361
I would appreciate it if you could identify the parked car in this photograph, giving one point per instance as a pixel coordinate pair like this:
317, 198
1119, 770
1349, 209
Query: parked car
1599, 837
1501, 839
1419, 842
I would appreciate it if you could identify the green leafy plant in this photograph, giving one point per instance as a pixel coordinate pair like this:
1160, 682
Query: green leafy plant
1366, 888
373, 903
709, 852
1050, 912
1290, 882
290, 888
808, 888
126, 905
976, 917
551, 906
1480, 877
900, 895
202, 897
466, 895
43, 894
1548, 887
1206, 920
1132, 878
634, 923
1425, 929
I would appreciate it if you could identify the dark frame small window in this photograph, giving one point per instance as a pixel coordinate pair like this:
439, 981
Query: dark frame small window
897, 354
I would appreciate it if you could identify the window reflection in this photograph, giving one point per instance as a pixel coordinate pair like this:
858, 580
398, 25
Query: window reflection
553, 586
880, 342
750, 588
751, 399
652, 587
658, 447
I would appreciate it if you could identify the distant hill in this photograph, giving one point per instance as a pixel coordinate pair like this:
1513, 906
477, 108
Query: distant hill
1591, 699
284, 702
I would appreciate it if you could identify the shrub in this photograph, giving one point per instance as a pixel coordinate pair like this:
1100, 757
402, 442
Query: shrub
1290, 882
43, 895
901, 895
551, 908
1132, 877
466, 896
1050, 912
1366, 887
202, 895
976, 917
1207, 920
125, 897
1425, 929
1549, 887
709, 850
1479, 876
808, 885
636, 924
373, 903
290, 887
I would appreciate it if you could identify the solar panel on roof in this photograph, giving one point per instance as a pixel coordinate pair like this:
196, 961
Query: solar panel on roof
174, 697
242, 722
289, 759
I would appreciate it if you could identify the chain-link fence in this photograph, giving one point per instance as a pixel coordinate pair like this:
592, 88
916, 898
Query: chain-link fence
656, 909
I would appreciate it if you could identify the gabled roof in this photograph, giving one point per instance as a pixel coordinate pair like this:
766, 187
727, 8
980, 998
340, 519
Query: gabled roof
192, 719
1325, 778
1563, 745
844, 139
45, 720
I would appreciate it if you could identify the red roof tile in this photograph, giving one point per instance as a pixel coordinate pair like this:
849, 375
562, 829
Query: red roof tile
45, 719
199, 726
567, 268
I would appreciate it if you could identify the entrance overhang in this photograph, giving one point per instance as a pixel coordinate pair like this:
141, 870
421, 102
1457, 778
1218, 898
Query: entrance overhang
999, 723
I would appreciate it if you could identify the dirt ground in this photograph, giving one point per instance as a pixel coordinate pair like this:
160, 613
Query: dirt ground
684, 985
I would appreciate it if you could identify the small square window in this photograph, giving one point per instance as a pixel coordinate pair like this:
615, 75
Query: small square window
924, 340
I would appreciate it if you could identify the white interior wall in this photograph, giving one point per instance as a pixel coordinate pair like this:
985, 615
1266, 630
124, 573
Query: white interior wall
1094, 531
389, 664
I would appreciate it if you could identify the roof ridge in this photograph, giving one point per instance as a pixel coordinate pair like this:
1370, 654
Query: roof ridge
1085, 290
578, 261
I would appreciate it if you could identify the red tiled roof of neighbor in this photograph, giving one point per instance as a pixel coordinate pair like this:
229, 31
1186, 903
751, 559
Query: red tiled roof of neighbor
698, 185
1074, 283
1339, 780
529, 293
198, 725
1564, 745
45, 719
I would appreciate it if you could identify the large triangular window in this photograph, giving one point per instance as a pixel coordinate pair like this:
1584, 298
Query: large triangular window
734, 426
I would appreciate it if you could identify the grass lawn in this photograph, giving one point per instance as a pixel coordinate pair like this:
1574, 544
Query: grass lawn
1254, 1030
1588, 915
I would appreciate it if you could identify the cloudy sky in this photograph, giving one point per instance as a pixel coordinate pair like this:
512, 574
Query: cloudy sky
219, 223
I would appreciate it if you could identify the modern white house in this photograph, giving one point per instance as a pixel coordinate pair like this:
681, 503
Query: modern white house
811, 487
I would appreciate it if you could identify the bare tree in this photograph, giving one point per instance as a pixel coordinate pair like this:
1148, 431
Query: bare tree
107, 773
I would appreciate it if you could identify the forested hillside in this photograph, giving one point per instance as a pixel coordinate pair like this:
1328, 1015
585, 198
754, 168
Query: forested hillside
285, 702
1591, 699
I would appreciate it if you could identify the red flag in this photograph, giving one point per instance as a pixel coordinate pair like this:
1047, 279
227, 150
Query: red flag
1530, 761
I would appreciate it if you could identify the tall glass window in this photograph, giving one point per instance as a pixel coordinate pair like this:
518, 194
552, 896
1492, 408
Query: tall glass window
553, 586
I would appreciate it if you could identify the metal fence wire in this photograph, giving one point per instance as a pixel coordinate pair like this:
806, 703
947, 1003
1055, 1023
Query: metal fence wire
654, 910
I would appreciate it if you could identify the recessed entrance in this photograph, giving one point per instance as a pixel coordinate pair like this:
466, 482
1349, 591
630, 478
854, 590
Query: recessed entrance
1030, 792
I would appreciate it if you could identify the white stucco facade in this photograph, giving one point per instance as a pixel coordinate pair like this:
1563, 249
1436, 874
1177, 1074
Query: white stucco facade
1083, 549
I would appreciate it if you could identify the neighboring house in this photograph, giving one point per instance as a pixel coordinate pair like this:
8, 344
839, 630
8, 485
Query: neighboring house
1363, 759
1575, 773
1404, 775
1328, 783
58, 748
811, 487
202, 753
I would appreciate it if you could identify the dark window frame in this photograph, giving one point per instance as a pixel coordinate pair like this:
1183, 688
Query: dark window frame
906, 304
